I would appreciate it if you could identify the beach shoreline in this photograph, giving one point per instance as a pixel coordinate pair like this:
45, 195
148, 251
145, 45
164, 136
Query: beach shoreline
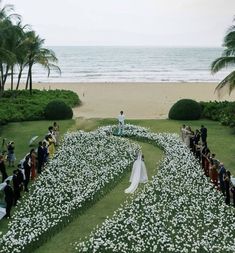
138, 100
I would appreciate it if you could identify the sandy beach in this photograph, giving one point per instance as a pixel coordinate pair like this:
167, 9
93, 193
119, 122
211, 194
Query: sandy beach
137, 100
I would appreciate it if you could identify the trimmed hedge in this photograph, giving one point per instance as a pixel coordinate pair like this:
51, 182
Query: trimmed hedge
18, 106
185, 109
57, 109
224, 112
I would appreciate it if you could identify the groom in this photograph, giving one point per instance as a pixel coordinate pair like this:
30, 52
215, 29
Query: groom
121, 119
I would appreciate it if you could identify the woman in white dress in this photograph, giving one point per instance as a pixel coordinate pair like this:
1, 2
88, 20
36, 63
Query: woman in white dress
138, 174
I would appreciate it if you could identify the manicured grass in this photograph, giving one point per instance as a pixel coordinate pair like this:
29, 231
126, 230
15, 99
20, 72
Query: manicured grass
83, 225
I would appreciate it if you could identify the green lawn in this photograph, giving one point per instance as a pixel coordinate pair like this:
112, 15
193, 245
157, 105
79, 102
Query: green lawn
221, 141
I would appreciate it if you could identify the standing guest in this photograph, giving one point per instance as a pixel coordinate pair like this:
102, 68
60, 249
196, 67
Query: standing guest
9, 197
40, 157
27, 171
203, 131
16, 186
33, 163
121, 121
51, 145
222, 172
198, 151
52, 133
182, 130
233, 192
45, 152
56, 131
3, 168
188, 135
214, 170
205, 159
11, 153
20, 177
227, 183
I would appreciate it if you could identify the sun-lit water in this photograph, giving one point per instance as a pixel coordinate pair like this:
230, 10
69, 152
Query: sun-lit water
132, 64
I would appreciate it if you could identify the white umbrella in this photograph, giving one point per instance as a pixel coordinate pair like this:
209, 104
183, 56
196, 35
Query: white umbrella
32, 140
2, 212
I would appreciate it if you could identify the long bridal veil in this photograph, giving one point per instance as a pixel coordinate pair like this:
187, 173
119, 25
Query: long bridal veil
138, 175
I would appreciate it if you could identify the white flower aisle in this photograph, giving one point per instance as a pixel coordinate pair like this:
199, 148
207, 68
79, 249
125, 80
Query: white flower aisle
178, 211
85, 167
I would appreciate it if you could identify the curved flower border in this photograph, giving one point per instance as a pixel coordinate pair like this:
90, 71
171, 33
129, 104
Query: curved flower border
178, 211
86, 166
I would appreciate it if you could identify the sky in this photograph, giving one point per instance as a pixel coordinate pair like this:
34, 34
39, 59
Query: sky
128, 22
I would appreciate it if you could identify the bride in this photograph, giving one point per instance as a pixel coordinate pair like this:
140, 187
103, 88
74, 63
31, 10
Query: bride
138, 174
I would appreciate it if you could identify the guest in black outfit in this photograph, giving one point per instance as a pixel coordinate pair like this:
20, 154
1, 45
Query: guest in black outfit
227, 183
40, 156
9, 197
20, 177
3, 168
16, 186
27, 170
222, 174
203, 134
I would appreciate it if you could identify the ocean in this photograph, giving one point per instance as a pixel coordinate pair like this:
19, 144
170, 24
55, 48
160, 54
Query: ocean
132, 64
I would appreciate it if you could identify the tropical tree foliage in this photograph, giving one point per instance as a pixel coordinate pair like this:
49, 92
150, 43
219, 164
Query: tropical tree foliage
226, 60
20, 49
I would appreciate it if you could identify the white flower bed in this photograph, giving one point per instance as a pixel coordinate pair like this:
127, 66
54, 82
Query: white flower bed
178, 211
84, 165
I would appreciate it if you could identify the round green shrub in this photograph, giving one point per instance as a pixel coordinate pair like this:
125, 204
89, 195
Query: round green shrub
57, 109
185, 109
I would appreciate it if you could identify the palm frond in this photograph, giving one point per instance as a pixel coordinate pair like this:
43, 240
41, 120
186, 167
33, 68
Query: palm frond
222, 62
228, 84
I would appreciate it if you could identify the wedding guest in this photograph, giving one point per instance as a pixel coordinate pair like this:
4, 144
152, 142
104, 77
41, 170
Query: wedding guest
40, 157
203, 131
233, 193
16, 186
182, 130
51, 133
121, 121
205, 159
20, 177
27, 171
51, 145
227, 183
11, 153
33, 163
9, 198
198, 151
3, 168
188, 135
222, 172
214, 170
56, 131
45, 152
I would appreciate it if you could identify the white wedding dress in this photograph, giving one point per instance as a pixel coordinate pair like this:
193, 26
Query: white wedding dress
138, 175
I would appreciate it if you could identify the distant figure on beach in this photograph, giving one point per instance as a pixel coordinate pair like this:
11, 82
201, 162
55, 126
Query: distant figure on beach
121, 121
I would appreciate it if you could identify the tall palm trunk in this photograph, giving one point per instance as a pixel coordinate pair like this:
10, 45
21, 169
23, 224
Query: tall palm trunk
19, 77
30, 80
27, 81
12, 77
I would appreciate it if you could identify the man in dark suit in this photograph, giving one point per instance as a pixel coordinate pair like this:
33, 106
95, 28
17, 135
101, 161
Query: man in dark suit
16, 186
9, 197
40, 156
203, 131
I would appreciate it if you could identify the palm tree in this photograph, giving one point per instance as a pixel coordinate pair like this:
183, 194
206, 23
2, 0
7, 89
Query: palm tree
227, 59
38, 55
